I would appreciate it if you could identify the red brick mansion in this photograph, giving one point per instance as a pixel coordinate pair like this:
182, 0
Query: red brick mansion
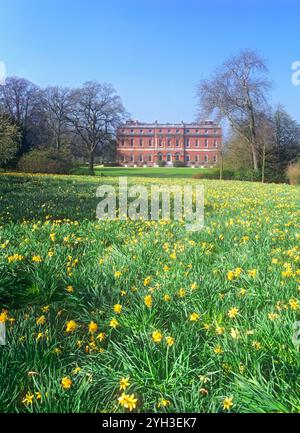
194, 144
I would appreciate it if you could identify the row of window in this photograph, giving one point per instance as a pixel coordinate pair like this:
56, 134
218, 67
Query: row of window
144, 158
177, 131
177, 142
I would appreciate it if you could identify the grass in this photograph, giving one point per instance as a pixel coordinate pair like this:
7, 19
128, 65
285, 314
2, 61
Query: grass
228, 296
157, 172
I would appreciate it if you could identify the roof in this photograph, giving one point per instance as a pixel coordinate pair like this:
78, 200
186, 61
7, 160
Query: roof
137, 124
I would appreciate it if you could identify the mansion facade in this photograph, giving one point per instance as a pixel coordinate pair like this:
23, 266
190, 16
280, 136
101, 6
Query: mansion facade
194, 144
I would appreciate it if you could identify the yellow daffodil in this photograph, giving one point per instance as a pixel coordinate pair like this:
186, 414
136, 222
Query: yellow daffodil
66, 382
227, 403
124, 383
157, 336
128, 401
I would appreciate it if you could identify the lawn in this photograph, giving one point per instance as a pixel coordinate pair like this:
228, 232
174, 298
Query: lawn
162, 172
115, 316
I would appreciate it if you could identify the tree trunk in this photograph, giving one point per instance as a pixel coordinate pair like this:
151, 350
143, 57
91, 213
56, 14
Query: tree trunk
57, 143
221, 165
254, 156
263, 164
58, 139
253, 135
91, 164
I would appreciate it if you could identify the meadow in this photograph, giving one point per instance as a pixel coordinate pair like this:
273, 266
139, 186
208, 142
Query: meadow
157, 172
118, 316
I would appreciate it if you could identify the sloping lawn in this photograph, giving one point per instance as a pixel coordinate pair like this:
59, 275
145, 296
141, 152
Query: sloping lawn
100, 313
162, 172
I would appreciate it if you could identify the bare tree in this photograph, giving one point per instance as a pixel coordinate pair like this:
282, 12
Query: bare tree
265, 139
287, 138
18, 97
96, 113
238, 154
237, 92
56, 106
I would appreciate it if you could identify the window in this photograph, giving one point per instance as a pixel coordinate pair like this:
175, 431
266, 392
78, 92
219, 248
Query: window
169, 158
196, 158
169, 130
216, 143
205, 158
122, 142
187, 142
216, 131
160, 130
177, 131
169, 142
206, 143
159, 157
196, 143
149, 158
187, 131
215, 159
150, 142
177, 156
131, 131
131, 142
141, 142
187, 157
177, 142
160, 142
141, 131
150, 130
131, 157
206, 131
196, 130
140, 158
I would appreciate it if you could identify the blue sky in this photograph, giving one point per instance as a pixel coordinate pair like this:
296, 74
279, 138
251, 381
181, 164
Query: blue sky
154, 52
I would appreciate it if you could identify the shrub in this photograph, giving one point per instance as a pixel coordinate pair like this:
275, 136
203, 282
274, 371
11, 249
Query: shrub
45, 161
293, 174
275, 176
227, 175
247, 174
178, 164
112, 164
161, 163
256, 176
10, 137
